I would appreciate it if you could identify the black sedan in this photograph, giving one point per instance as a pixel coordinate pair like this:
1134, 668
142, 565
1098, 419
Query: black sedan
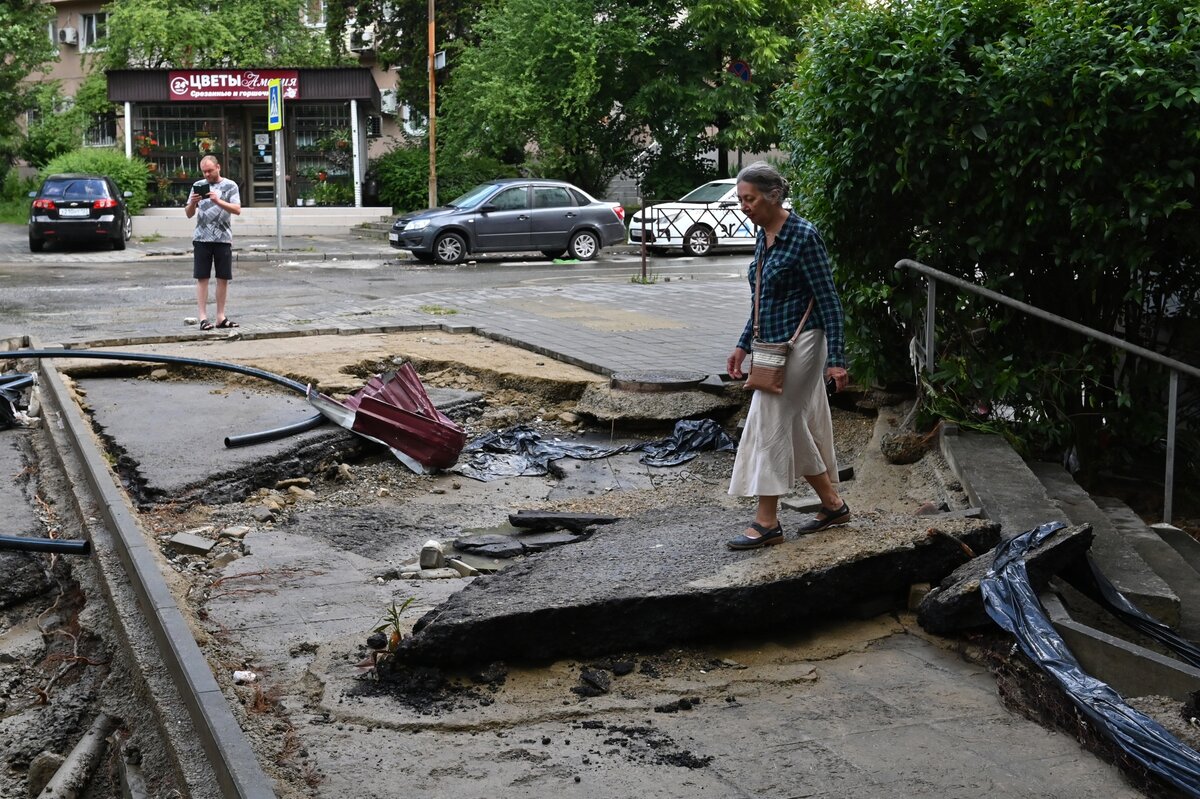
78, 207
513, 215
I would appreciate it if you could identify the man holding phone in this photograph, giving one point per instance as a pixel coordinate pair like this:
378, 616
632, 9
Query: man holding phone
213, 202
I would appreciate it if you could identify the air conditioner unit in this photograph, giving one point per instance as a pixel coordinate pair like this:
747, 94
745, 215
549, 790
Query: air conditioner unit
360, 41
67, 36
387, 102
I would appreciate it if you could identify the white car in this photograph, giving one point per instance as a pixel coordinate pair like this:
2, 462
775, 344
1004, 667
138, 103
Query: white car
704, 218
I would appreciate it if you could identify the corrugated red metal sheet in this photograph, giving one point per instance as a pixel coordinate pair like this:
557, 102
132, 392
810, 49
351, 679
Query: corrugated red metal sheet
395, 410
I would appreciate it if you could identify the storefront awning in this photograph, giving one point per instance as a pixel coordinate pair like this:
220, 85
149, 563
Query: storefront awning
312, 85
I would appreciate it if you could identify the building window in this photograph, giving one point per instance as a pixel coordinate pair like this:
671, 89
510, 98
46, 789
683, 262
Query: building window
102, 132
52, 30
93, 29
313, 13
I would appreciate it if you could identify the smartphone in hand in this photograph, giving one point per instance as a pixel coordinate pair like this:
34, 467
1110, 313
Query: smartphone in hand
203, 188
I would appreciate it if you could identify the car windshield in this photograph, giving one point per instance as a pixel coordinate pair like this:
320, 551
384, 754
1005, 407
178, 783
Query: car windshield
76, 189
708, 193
474, 196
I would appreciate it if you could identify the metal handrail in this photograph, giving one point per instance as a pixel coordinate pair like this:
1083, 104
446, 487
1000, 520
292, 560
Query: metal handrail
1175, 367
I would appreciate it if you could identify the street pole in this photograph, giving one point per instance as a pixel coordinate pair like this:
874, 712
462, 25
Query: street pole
433, 191
642, 200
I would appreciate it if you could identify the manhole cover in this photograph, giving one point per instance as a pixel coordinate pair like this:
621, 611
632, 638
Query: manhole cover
658, 380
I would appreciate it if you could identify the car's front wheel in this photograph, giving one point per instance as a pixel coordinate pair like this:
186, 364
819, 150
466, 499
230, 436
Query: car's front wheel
36, 245
584, 245
698, 240
449, 248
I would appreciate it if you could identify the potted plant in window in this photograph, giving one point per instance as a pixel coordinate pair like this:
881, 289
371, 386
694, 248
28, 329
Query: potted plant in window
205, 143
144, 141
335, 145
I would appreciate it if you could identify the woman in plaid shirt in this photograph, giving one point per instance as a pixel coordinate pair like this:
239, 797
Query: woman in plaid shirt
791, 433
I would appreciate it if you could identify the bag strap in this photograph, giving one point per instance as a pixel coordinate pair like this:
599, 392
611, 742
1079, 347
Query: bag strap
758, 296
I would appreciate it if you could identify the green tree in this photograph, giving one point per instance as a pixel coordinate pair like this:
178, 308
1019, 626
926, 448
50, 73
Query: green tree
60, 122
198, 33
552, 77
26, 48
1046, 149
690, 98
399, 35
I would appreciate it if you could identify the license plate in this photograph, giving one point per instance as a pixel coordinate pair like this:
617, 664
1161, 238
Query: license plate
393, 237
74, 212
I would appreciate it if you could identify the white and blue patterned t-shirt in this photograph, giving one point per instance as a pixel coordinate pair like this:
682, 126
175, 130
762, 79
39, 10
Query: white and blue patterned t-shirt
214, 223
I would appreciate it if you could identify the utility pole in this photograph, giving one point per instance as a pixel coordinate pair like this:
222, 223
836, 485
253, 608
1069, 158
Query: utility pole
433, 192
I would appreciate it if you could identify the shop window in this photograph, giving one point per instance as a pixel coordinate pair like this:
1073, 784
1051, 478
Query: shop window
102, 132
92, 30
172, 140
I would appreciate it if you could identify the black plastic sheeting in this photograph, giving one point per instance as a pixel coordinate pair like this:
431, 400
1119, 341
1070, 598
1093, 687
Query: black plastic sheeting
522, 452
12, 385
1012, 603
1087, 578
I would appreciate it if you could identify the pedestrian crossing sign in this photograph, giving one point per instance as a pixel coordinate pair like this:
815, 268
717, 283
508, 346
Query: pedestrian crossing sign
274, 105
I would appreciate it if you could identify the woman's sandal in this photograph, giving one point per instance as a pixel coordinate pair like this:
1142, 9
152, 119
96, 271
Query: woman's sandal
205, 324
827, 518
767, 536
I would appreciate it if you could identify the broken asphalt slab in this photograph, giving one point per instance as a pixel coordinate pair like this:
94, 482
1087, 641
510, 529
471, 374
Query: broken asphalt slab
666, 578
171, 434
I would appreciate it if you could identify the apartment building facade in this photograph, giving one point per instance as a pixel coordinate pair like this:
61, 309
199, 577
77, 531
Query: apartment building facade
335, 119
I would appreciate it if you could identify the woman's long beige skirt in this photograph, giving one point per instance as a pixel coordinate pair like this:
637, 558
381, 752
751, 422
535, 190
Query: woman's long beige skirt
788, 435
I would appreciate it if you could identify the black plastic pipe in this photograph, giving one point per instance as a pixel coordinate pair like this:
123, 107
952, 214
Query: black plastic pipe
274, 434
12, 543
16, 381
231, 441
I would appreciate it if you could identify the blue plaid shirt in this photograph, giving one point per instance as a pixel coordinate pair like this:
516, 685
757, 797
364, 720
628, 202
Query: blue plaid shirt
796, 269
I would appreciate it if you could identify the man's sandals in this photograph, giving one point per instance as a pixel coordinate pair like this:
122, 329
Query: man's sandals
227, 322
766, 537
205, 324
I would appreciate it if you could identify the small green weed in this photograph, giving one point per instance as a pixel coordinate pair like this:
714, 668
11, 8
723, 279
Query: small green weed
391, 624
438, 310
150, 238
644, 280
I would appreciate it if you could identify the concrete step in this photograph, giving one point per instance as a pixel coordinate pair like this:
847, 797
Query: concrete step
173, 222
1010, 492
1123, 547
1188, 549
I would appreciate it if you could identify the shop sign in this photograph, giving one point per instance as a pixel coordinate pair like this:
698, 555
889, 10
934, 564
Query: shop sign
231, 84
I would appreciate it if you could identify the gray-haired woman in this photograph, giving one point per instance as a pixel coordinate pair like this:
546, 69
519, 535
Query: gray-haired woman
791, 433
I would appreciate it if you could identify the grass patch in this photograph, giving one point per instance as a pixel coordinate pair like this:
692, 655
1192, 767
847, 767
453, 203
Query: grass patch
648, 280
150, 238
438, 310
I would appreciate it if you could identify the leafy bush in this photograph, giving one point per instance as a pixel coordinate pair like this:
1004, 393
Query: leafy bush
14, 197
403, 177
1044, 149
130, 174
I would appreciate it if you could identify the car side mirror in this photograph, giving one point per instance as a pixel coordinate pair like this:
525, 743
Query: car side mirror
127, 194
727, 203
488, 207
32, 194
